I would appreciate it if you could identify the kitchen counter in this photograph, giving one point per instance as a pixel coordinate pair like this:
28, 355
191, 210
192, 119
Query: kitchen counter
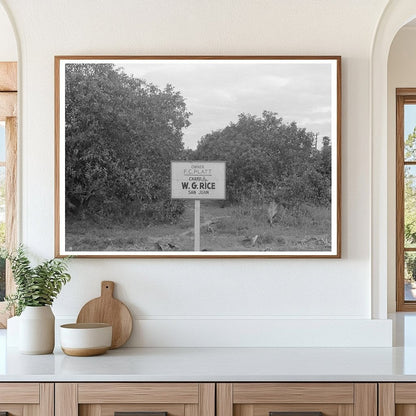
222, 364
215, 364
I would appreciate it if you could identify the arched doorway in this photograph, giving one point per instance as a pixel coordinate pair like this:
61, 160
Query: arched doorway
397, 14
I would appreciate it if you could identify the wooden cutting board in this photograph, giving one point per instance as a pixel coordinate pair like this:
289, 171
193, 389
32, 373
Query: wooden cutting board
108, 310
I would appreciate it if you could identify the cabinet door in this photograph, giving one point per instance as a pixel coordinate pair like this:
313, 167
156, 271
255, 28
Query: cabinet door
26, 399
141, 399
397, 399
297, 399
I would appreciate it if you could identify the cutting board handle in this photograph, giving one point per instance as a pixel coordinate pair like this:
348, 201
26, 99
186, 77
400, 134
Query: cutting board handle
107, 289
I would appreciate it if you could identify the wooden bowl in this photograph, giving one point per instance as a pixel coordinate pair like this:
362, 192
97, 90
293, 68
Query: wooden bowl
84, 340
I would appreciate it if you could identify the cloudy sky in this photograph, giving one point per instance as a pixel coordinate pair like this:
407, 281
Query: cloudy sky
409, 119
216, 92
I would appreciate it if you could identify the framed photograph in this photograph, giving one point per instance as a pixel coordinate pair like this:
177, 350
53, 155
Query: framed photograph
198, 156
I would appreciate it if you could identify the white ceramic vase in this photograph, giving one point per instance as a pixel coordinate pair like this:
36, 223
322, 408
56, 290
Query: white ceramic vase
37, 330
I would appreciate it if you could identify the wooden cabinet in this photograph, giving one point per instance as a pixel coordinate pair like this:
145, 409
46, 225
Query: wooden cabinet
108, 399
208, 399
27, 399
297, 399
397, 399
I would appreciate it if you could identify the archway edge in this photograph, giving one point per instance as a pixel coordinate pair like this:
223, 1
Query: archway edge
6, 8
396, 14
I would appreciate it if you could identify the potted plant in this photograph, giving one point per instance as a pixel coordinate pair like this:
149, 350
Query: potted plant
36, 289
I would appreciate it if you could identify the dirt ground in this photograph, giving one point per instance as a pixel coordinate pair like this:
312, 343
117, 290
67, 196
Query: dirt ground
229, 228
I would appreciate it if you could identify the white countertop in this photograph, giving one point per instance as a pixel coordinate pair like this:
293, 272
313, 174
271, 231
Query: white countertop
221, 364
215, 364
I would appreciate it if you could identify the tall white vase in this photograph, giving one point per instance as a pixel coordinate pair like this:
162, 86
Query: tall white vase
37, 330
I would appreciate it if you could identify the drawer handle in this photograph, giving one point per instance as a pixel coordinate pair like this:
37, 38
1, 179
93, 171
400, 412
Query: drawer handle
139, 414
295, 414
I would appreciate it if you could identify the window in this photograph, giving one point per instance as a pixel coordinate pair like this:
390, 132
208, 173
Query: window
406, 199
8, 166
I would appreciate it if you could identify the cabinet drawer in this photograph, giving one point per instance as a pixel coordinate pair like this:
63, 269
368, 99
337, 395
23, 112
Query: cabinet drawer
19, 393
296, 399
145, 399
138, 393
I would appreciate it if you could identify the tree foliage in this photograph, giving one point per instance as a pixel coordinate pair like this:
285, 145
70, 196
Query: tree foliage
410, 205
120, 135
410, 146
122, 132
410, 191
272, 159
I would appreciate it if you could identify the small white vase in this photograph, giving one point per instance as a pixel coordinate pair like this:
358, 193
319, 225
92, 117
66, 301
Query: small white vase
37, 330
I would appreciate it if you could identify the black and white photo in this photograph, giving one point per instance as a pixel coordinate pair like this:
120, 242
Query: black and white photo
198, 156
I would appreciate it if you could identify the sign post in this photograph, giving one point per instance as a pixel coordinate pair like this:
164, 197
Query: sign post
197, 225
197, 180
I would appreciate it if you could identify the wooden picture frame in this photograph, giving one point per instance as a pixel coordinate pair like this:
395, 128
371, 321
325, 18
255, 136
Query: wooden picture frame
274, 120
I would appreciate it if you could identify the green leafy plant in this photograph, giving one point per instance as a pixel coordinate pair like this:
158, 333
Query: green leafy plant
38, 285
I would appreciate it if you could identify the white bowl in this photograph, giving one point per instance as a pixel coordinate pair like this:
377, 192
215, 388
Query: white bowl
83, 340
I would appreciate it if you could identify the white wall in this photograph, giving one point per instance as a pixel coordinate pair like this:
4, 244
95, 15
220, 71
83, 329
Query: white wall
206, 301
8, 47
401, 74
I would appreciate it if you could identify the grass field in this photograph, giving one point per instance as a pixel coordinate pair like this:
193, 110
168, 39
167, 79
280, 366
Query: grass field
244, 227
